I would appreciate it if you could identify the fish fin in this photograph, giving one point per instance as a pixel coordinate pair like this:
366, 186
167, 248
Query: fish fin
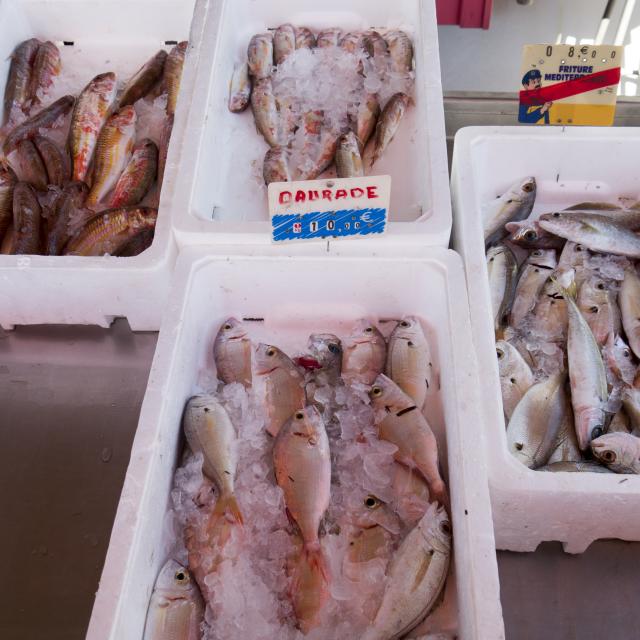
315, 559
595, 206
227, 505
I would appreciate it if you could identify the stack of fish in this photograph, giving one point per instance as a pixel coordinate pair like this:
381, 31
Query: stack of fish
314, 416
319, 99
565, 295
83, 198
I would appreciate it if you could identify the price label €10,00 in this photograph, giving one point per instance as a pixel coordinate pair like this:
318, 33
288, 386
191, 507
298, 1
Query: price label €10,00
335, 208
569, 84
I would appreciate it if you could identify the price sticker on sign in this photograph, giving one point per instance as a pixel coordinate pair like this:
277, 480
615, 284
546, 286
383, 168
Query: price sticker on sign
565, 84
329, 209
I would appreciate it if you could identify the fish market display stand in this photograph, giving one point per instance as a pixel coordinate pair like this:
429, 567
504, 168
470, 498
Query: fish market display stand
320, 294
570, 165
220, 194
97, 36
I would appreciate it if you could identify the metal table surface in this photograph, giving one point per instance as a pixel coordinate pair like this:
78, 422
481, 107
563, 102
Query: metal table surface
70, 399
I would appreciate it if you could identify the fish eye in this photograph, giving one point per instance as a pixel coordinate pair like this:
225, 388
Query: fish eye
593, 309
530, 235
227, 326
376, 392
271, 351
600, 286
410, 343
445, 527
404, 323
608, 456
369, 330
537, 252
181, 576
512, 380
596, 433
299, 415
509, 201
334, 348
556, 214
519, 446
626, 353
528, 187
578, 246
500, 353
371, 502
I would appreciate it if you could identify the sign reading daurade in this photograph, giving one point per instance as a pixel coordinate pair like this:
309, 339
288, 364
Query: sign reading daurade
333, 208
569, 84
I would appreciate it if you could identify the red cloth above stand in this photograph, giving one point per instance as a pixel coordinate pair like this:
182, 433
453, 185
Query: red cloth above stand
466, 13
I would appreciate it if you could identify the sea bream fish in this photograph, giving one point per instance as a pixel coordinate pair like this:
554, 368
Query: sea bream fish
284, 42
260, 56
528, 234
176, 610
388, 124
409, 362
400, 422
283, 386
415, 577
209, 430
502, 269
513, 205
586, 373
364, 353
302, 464
91, 111
619, 451
232, 353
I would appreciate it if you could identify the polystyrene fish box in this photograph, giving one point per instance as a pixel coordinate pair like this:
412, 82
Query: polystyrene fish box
95, 36
570, 165
220, 194
323, 294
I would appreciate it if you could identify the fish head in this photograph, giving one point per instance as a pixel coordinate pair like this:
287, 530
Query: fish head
435, 527
569, 224
370, 511
506, 354
232, 329
523, 192
522, 450
364, 330
543, 258
174, 581
619, 451
306, 423
409, 328
327, 349
104, 83
124, 118
269, 358
386, 394
590, 424
527, 234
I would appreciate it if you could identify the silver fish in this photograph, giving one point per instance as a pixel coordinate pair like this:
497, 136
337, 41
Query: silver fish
240, 89
502, 270
598, 305
534, 426
348, 159
409, 362
528, 234
566, 447
415, 577
619, 451
265, 111
232, 353
260, 56
595, 232
513, 205
550, 313
619, 360
533, 276
284, 42
629, 300
176, 610
209, 430
283, 386
327, 350
586, 373
364, 353
400, 51
400, 422
515, 376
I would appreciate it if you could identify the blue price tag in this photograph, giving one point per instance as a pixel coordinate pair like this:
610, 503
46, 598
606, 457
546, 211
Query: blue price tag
323, 224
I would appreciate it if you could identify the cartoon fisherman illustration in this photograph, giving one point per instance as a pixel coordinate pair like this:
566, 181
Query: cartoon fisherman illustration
532, 114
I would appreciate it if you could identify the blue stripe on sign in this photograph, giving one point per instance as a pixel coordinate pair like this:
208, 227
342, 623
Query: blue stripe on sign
317, 224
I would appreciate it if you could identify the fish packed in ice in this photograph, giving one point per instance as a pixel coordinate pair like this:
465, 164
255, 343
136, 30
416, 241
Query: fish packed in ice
309, 500
80, 175
324, 99
565, 296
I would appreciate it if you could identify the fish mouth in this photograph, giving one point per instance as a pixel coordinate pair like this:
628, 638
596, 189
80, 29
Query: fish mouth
264, 372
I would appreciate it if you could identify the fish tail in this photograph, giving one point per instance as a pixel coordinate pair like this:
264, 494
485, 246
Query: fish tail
227, 505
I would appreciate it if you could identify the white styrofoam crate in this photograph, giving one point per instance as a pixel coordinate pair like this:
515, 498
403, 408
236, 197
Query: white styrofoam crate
324, 293
107, 35
570, 165
220, 195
